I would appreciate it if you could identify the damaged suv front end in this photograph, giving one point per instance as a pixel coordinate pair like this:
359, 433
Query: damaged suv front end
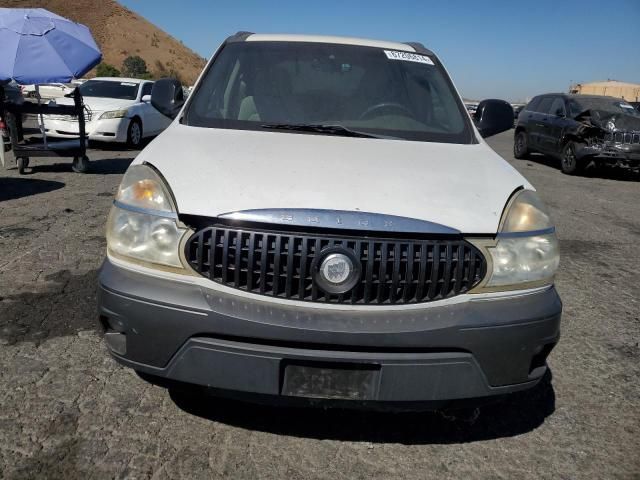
610, 137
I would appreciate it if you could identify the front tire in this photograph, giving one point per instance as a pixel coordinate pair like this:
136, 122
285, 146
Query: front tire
569, 161
134, 133
521, 145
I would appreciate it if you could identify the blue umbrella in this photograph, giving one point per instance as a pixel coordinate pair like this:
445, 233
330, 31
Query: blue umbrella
38, 46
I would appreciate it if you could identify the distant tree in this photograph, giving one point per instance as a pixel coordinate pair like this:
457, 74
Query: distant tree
106, 70
134, 66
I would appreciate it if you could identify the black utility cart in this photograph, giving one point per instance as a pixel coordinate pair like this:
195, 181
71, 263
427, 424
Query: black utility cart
25, 150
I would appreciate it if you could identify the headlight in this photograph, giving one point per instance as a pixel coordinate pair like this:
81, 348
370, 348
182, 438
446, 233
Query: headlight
526, 252
143, 224
113, 114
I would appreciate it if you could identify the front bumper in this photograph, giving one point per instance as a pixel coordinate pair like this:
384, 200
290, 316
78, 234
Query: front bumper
189, 333
109, 130
611, 152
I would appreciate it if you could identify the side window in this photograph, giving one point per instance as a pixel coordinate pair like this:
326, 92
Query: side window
557, 107
146, 89
545, 105
533, 104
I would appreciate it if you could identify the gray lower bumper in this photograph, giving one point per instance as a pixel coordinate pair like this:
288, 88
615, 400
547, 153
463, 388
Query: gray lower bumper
187, 333
611, 153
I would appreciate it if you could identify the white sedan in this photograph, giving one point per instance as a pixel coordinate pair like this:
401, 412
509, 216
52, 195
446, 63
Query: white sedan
118, 110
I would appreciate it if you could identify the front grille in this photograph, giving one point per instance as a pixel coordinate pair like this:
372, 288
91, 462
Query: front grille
279, 264
630, 138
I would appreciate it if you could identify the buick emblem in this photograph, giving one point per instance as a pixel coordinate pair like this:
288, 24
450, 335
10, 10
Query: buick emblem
336, 270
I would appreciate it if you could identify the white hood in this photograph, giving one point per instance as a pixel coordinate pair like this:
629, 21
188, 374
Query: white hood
216, 171
99, 104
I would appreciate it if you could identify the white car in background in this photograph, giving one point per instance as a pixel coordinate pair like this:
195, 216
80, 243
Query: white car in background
47, 90
118, 110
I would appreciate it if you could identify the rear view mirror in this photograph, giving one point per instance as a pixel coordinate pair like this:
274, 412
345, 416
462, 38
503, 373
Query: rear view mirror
493, 117
167, 97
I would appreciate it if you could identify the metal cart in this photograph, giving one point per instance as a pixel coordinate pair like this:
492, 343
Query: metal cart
24, 151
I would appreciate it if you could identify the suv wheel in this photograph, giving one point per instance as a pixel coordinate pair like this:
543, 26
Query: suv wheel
521, 145
569, 161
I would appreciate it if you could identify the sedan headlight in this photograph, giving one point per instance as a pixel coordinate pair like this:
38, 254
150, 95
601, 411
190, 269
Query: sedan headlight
526, 252
113, 114
143, 223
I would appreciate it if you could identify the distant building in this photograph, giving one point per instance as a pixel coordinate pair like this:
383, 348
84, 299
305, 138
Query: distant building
611, 88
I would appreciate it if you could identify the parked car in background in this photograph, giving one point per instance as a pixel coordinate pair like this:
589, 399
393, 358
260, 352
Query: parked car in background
517, 108
118, 110
48, 90
325, 221
471, 108
578, 130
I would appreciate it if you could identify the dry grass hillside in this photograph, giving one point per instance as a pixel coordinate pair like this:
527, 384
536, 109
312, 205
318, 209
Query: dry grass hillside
121, 33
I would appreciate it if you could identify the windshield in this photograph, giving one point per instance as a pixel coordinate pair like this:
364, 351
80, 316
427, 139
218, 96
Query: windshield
259, 85
606, 104
109, 89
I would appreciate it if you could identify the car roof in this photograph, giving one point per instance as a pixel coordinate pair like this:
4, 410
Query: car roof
576, 95
262, 37
120, 79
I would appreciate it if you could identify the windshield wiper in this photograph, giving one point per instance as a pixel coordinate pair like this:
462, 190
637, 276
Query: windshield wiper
332, 129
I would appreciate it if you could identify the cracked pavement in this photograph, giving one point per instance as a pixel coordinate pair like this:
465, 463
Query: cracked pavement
69, 411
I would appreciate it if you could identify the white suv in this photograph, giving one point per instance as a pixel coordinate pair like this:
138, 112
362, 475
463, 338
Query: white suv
324, 220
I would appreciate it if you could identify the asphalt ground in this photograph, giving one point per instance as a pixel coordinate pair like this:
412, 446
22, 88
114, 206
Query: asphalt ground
67, 410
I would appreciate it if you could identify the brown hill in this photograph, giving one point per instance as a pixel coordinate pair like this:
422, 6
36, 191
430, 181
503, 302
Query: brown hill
120, 33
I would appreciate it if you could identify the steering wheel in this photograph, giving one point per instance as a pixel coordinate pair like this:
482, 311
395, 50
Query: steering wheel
386, 106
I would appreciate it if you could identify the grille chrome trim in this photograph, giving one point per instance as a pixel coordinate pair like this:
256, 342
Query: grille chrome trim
281, 265
339, 220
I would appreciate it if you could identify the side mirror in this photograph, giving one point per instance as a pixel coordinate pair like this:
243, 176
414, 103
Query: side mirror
493, 117
146, 98
167, 97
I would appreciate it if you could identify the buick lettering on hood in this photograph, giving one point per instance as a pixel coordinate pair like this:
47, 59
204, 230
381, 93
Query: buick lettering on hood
323, 223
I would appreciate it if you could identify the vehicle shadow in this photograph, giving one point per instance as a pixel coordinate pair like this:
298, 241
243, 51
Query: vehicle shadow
512, 415
110, 166
103, 166
118, 147
12, 188
601, 171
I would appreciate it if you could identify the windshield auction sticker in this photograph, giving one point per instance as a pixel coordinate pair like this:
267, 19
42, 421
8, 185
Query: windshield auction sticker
407, 57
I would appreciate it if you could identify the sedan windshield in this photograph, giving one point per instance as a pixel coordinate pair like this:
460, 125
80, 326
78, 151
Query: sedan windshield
329, 89
109, 89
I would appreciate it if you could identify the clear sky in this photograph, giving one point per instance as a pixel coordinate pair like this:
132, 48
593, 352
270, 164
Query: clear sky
511, 49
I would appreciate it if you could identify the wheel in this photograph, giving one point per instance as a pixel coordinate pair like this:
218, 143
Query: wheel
569, 161
23, 163
521, 145
134, 133
80, 164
